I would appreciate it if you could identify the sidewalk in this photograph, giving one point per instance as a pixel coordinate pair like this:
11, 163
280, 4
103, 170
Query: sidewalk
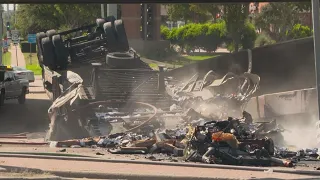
17, 58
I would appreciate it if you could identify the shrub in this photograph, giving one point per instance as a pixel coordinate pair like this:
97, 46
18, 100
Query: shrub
191, 36
299, 31
165, 32
263, 40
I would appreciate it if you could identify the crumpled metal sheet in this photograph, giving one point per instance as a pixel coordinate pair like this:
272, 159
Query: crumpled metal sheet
66, 96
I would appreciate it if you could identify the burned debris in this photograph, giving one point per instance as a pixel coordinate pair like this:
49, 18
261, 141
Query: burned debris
124, 106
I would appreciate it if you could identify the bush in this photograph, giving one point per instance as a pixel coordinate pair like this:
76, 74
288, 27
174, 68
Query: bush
165, 32
207, 36
299, 31
191, 36
263, 40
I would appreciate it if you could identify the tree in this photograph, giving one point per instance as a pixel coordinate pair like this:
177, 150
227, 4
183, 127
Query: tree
186, 12
206, 8
277, 18
42, 17
235, 16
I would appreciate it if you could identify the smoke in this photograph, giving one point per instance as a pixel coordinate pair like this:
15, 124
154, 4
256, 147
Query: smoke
302, 135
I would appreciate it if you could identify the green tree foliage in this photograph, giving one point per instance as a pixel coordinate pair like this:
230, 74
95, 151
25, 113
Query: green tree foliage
277, 18
263, 40
248, 36
299, 31
208, 36
235, 16
42, 17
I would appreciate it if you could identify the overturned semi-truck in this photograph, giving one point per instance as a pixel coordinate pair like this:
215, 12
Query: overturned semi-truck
89, 70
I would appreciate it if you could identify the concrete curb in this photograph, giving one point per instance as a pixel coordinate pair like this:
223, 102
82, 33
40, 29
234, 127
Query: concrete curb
36, 178
218, 166
94, 175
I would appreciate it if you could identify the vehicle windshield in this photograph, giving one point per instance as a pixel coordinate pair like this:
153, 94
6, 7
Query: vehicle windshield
186, 84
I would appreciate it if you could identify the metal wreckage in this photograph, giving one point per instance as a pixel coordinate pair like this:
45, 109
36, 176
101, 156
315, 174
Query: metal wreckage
124, 105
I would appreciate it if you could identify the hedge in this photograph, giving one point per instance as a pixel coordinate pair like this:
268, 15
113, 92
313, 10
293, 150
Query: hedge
192, 36
299, 31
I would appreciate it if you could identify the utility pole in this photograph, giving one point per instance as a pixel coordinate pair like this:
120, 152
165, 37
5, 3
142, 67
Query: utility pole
15, 15
112, 10
102, 11
316, 36
1, 32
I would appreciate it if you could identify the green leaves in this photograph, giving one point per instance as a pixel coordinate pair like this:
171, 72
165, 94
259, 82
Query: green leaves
277, 18
299, 31
42, 17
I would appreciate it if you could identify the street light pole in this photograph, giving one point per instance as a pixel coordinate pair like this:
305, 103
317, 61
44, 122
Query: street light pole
1, 33
316, 41
112, 10
102, 11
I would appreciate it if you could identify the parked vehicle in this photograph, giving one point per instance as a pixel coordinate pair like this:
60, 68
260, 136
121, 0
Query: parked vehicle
12, 87
23, 73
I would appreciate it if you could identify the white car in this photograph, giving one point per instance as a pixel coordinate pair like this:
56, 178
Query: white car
23, 73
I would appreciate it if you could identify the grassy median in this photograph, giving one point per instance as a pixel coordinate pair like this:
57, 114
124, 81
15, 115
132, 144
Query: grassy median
32, 63
6, 58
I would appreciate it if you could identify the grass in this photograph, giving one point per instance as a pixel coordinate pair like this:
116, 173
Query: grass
153, 66
6, 58
32, 63
35, 68
185, 60
199, 58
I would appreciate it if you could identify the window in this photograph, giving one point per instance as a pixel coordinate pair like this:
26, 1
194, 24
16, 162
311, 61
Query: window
8, 75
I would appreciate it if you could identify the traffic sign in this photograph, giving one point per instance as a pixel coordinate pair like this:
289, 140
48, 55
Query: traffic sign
5, 43
15, 36
32, 38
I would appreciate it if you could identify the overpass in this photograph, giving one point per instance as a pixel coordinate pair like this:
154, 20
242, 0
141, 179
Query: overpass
131, 15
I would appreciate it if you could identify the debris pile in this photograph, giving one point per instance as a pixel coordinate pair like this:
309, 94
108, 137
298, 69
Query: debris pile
206, 132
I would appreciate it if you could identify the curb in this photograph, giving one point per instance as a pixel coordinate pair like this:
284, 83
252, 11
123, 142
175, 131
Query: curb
93, 175
247, 168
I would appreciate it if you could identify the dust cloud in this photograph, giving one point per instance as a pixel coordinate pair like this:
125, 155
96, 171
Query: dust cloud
302, 136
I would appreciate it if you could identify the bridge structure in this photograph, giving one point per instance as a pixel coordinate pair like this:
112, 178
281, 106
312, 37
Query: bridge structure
136, 17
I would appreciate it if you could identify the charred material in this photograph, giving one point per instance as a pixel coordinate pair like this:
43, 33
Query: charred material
225, 142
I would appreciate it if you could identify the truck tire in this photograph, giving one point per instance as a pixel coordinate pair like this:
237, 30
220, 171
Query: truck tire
51, 33
100, 22
61, 52
22, 97
110, 19
110, 35
122, 60
121, 35
39, 37
48, 53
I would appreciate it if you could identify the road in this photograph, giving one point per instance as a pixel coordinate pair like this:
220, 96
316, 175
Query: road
30, 117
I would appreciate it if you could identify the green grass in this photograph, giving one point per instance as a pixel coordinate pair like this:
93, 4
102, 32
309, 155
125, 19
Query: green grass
35, 68
34, 58
153, 66
199, 58
6, 58
32, 64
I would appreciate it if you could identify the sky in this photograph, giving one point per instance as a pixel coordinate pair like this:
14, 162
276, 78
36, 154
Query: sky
5, 7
